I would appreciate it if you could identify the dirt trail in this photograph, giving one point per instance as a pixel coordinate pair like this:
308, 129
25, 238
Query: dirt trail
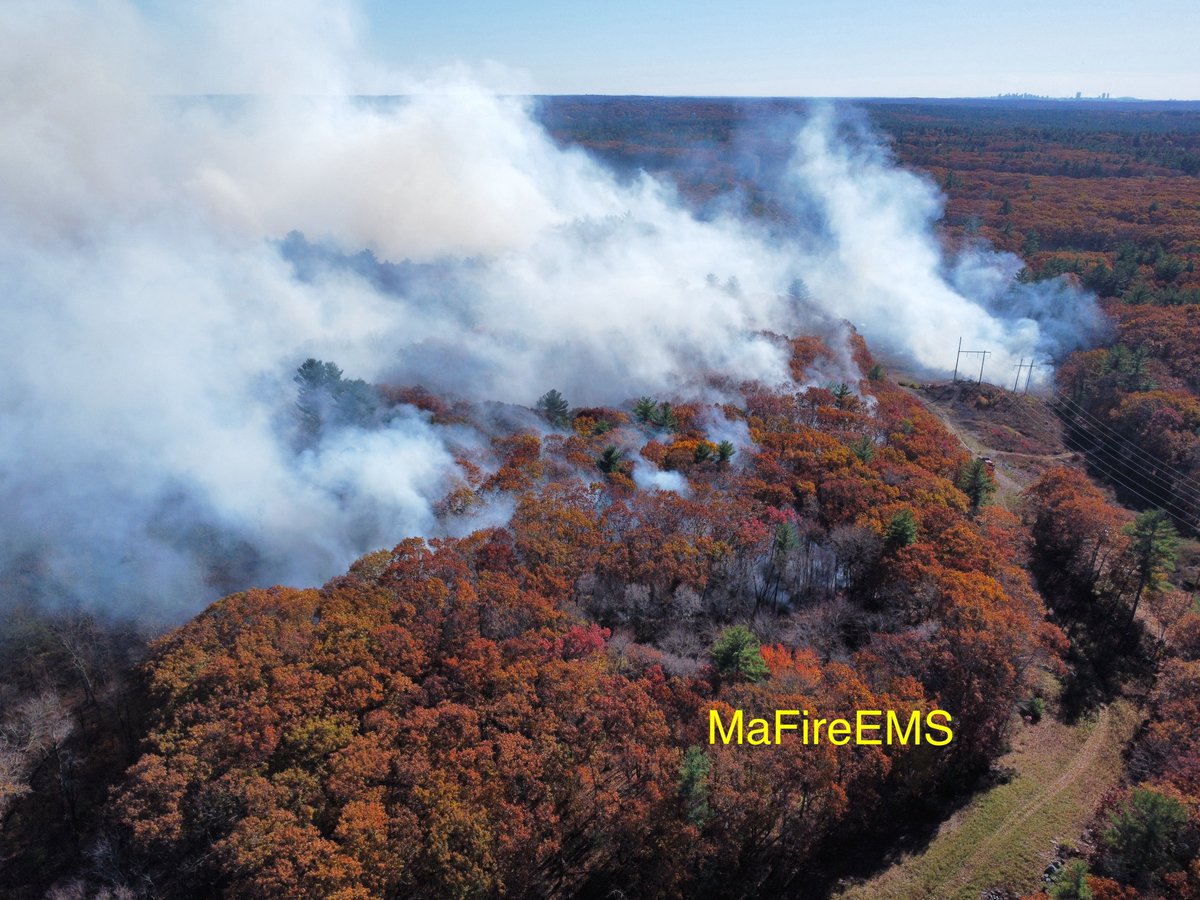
1007, 835
1008, 488
1081, 765
1016, 431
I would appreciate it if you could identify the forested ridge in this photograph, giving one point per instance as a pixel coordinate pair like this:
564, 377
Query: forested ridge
522, 711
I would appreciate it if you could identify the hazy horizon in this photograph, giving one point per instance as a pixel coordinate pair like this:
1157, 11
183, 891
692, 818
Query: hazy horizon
1025, 97
767, 48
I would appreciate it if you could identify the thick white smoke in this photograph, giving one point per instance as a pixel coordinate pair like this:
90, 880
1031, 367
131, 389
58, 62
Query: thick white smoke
155, 306
873, 258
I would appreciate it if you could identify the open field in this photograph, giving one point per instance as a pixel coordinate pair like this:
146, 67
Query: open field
1007, 835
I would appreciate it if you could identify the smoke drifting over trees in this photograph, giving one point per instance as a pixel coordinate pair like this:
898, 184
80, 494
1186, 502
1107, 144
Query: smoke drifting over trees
170, 262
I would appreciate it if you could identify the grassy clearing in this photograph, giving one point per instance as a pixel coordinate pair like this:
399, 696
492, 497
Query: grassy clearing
1005, 837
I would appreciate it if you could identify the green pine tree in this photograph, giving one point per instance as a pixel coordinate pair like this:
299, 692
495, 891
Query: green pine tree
901, 530
738, 654
1070, 883
1143, 836
693, 784
554, 407
611, 460
644, 409
977, 483
1153, 549
864, 448
664, 417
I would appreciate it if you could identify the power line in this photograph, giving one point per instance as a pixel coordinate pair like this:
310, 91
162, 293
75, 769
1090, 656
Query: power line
1103, 464
1107, 444
1107, 468
1080, 418
1121, 451
1158, 501
1079, 412
1155, 495
1107, 464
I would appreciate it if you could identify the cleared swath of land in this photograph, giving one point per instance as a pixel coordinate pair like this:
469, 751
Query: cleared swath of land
1006, 836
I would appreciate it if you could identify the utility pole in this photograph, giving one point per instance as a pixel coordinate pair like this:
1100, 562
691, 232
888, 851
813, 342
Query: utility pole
983, 354
1030, 375
1019, 366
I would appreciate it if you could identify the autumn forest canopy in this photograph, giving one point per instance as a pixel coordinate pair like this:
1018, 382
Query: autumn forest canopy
516, 436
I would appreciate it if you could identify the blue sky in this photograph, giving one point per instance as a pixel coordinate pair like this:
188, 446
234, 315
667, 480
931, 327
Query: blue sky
811, 47
821, 48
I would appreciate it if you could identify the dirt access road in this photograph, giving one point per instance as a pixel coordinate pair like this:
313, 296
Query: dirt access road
1018, 432
1006, 836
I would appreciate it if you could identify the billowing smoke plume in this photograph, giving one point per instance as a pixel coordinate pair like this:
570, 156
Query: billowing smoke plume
169, 263
866, 239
